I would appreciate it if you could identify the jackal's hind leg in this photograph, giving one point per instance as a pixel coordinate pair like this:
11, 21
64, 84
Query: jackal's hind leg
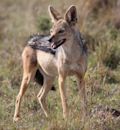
24, 85
29, 70
48, 82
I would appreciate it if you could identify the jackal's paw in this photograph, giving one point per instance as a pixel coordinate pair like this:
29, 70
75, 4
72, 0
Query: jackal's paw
65, 115
16, 118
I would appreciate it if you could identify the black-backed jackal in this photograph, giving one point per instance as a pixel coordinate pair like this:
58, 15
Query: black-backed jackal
70, 58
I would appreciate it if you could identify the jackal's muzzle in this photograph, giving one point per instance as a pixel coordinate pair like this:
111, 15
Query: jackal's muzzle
56, 44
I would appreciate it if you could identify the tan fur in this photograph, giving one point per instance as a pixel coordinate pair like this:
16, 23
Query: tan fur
70, 59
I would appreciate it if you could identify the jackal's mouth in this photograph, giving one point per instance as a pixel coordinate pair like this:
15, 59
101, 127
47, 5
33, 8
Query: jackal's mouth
55, 45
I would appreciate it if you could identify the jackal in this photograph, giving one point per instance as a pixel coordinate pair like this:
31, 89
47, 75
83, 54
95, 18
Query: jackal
69, 58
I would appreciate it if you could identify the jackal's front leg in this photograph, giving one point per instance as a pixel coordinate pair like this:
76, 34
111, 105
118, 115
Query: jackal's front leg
63, 95
82, 93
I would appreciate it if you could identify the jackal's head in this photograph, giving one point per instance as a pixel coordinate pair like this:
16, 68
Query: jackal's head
63, 27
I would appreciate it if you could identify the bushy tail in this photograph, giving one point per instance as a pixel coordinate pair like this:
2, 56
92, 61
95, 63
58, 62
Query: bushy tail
40, 79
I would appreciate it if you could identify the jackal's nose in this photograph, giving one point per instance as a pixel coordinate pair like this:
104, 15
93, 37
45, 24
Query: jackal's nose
51, 39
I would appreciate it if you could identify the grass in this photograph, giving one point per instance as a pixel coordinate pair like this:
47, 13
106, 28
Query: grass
33, 117
18, 20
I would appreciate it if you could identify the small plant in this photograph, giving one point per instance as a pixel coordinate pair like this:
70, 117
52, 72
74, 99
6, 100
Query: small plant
43, 24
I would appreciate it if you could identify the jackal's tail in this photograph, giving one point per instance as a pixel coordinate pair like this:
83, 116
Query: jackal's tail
40, 79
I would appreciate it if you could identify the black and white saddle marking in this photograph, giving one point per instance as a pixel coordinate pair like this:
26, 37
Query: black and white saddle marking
41, 42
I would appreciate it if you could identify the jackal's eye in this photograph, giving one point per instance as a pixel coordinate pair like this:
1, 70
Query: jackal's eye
61, 30
51, 30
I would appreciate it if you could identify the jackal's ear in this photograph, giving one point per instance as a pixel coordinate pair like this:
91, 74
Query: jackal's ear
71, 15
54, 14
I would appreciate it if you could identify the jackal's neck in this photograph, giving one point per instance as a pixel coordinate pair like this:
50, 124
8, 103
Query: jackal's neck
71, 50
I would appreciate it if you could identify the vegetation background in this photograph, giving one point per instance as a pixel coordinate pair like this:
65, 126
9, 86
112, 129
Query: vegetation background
99, 23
